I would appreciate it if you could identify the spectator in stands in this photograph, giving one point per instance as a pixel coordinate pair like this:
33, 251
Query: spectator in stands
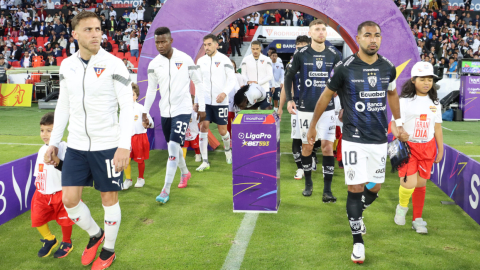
4, 66
111, 26
122, 24
57, 51
134, 44
105, 12
112, 12
133, 16
24, 46
126, 15
158, 4
278, 17
288, 17
117, 37
301, 21
445, 4
140, 14
49, 18
16, 54
143, 32
222, 45
48, 49
26, 61
154, 13
72, 46
68, 29
122, 47
128, 64
59, 27
107, 46
126, 37
50, 5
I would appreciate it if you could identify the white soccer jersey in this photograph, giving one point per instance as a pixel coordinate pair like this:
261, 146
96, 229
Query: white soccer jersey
90, 95
138, 121
173, 77
258, 70
278, 74
255, 94
241, 81
218, 77
419, 115
192, 130
48, 179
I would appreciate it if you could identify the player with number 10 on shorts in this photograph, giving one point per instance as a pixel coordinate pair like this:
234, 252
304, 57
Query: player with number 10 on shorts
363, 82
172, 71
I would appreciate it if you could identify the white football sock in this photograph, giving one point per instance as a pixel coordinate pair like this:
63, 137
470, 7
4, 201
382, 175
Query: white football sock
181, 162
226, 141
113, 216
80, 214
173, 153
204, 145
275, 109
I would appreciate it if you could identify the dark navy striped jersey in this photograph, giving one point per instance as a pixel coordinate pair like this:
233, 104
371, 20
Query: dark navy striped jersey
315, 69
362, 89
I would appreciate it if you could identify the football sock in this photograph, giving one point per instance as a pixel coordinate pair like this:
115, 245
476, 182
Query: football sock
404, 195
173, 151
307, 168
368, 198
141, 168
297, 152
328, 168
113, 216
181, 163
184, 149
354, 213
128, 170
418, 200
67, 234
275, 109
197, 151
45, 232
80, 214
226, 141
204, 145
316, 148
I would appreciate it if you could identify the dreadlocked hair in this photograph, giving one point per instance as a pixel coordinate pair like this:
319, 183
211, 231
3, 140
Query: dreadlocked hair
409, 91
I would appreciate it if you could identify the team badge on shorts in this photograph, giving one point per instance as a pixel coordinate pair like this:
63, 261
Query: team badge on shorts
178, 64
99, 70
372, 79
351, 173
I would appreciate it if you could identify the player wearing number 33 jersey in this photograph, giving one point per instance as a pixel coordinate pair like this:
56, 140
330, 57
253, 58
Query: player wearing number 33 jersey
172, 71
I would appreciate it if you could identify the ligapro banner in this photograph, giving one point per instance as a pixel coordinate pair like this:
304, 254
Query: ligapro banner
291, 32
453, 3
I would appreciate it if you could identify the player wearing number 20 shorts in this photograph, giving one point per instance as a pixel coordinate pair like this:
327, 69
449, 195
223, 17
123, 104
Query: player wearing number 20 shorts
172, 71
363, 82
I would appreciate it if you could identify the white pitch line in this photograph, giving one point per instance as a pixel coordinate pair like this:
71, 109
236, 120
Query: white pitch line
452, 129
20, 143
239, 247
473, 155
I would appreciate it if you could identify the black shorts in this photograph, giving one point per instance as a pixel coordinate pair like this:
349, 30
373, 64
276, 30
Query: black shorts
217, 114
276, 94
91, 168
264, 104
174, 128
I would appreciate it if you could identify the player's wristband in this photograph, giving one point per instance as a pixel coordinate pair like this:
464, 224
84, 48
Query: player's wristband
399, 122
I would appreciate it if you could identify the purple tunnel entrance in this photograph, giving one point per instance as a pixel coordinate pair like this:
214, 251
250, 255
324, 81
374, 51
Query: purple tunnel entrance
189, 21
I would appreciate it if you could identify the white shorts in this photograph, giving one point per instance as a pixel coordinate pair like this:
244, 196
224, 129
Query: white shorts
364, 162
295, 127
325, 125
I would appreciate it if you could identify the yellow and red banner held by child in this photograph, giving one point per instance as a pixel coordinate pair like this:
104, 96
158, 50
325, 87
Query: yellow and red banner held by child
16, 95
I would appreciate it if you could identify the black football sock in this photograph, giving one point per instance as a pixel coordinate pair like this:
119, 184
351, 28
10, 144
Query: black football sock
368, 198
354, 213
316, 148
328, 168
297, 152
307, 168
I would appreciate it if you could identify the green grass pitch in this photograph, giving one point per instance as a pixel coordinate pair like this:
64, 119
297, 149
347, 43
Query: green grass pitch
196, 228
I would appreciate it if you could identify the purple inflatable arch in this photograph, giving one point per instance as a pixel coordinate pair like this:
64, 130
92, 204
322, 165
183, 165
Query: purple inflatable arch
191, 20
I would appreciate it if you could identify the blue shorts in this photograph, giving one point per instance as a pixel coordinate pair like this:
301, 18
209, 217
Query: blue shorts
264, 103
174, 128
91, 168
217, 114
276, 94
